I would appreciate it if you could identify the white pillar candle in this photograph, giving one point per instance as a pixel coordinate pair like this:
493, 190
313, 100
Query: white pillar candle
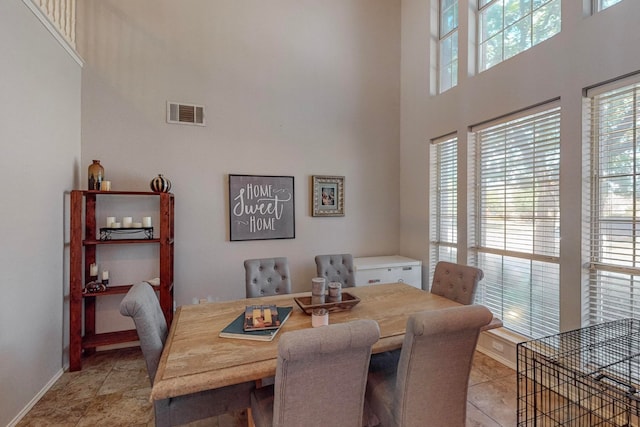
136, 225
115, 225
105, 274
319, 317
110, 221
127, 221
146, 221
93, 270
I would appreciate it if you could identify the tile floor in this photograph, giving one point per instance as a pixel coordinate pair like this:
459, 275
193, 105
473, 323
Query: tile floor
113, 389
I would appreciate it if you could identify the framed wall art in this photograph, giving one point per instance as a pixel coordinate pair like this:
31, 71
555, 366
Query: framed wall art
261, 207
327, 195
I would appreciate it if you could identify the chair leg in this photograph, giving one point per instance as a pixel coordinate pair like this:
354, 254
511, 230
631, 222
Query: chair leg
250, 422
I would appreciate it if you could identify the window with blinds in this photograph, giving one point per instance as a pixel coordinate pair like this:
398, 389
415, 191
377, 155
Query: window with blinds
443, 200
516, 219
614, 270
448, 44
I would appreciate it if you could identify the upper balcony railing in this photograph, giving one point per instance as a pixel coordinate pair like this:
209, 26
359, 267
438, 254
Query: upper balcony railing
62, 14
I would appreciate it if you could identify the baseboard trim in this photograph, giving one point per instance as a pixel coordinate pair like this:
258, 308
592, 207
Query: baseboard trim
35, 399
500, 344
497, 357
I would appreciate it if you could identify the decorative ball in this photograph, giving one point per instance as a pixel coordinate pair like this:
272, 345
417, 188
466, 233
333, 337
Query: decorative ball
160, 184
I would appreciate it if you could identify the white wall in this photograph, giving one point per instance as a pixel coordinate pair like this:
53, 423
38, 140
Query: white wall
40, 140
589, 50
291, 87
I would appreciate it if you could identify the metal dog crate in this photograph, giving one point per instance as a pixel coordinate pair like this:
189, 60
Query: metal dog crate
587, 377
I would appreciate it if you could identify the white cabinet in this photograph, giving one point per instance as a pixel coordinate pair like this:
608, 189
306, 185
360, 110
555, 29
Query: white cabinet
388, 269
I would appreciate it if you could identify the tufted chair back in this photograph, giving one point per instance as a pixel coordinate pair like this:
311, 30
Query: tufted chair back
429, 385
304, 394
456, 281
336, 268
267, 276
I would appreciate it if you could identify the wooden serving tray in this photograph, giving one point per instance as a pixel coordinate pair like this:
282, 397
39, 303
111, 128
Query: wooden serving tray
347, 303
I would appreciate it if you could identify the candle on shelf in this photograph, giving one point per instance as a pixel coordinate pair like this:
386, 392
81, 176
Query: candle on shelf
93, 270
127, 221
136, 225
105, 277
110, 221
115, 225
146, 221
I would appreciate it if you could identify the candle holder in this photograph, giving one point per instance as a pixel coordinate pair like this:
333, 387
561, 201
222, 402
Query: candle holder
94, 287
106, 233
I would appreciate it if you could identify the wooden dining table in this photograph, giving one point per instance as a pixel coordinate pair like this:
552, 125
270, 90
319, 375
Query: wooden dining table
195, 358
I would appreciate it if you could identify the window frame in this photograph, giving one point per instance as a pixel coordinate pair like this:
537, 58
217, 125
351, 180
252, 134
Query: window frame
539, 296
447, 146
606, 293
596, 5
483, 8
449, 36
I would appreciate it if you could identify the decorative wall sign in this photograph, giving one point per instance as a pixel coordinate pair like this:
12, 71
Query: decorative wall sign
261, 207
328, 195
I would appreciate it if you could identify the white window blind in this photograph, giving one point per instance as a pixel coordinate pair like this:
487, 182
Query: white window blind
443, 200
448, 37
516, 219
614, 270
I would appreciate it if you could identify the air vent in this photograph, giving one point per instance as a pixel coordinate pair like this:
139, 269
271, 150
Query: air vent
187, 114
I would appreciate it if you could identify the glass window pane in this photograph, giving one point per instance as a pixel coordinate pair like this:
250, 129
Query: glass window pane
517, 38
483, 3
492, 52
603, 4
448, 47
546, 21
448, 17
515, 10
520, 24
491, 21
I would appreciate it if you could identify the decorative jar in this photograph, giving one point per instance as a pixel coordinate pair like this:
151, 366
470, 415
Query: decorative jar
160, 184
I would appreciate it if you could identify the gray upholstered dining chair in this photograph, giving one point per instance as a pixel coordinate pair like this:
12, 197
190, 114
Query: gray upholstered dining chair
267, 276
320, 377
143, 306
336, 268
456, 282
429, 386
